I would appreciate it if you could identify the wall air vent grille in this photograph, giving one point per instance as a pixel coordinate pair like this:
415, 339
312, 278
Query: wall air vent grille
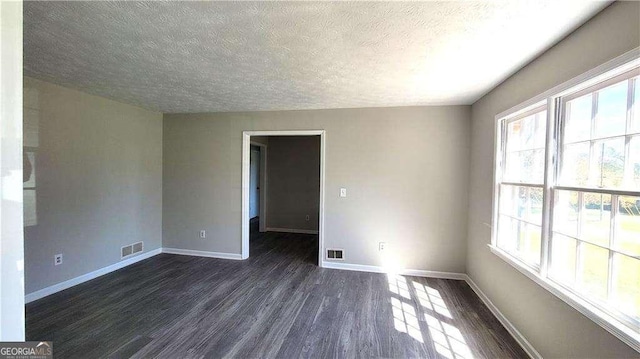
137, 247
335, 254
131, 249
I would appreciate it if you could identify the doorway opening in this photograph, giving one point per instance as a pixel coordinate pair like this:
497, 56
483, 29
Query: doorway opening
282, 191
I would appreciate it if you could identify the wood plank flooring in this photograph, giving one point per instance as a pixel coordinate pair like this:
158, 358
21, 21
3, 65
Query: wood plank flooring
277, 304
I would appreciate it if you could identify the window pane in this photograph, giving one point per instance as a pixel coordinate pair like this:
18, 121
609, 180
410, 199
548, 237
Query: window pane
635, 121
575, 164
608, 163
626, 285
596, 218
565, 219
528, 246
563, 259
578, 119
611, 117
514, 136
527, 133
508, 232
525, 166
521, 202
628, 225
593, 271
633, 172
520, 239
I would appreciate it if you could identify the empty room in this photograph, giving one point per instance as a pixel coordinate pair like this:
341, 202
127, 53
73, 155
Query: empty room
440, 179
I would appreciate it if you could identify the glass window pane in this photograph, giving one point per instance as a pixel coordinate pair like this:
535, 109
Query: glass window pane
593, 271
596, 218
528, 246
611, 117
565, 213
520, 239
635, 121
540, 132
633, 172
628, 225
525, 166
521, 202
608, 163
508, 232
514, 136
575, 164
626, 285
578, 119
527, 133
563, 259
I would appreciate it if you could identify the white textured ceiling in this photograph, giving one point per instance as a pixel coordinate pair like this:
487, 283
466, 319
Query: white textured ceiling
245, 56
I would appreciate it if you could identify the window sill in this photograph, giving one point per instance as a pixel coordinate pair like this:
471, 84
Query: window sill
606, 321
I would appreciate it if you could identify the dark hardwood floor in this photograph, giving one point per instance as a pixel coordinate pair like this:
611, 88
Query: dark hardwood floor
278, 303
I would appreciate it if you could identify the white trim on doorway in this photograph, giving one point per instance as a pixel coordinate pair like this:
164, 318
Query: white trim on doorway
246, 152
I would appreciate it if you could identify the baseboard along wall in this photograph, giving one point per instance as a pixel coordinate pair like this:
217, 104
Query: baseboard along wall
524, 343
292, 230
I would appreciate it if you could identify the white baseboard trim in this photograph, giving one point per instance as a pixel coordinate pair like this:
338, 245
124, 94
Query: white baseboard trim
291, 230
524, 343
191, 252
515, 333
89, 276
377, 269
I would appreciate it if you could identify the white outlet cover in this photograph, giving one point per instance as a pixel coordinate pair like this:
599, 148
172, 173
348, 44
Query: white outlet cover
343, 192
57, 259
203, 234
382, 246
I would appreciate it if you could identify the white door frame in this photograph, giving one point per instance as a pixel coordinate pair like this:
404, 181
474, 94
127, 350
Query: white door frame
246, 162
262, 211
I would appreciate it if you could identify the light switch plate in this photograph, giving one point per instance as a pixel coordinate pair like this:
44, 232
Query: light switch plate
343, 192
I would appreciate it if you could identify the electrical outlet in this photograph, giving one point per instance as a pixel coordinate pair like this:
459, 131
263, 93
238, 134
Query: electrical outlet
203, 234
343, 192
307, 217
57, 259
382, 246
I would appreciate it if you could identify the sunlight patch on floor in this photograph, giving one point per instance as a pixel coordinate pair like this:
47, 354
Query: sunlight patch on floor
431, 299
448, 339
405, 319
398, 285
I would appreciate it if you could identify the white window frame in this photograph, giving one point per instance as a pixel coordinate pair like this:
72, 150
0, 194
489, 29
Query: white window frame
501, 141
553, 99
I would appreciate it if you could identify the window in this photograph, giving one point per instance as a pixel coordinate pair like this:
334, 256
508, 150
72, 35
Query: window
567, 196
520, 210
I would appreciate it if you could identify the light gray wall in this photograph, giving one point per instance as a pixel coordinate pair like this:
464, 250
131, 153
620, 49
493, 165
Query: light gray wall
293, 174
383, 156
98, 177
11, 238
554, 329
